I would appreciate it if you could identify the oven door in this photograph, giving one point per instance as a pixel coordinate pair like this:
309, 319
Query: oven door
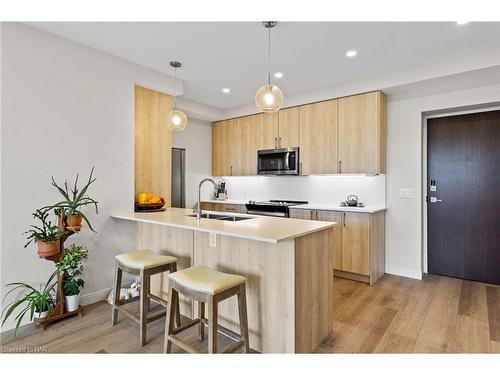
282, 161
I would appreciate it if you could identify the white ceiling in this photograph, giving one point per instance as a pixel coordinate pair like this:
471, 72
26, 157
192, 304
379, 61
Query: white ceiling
310, 54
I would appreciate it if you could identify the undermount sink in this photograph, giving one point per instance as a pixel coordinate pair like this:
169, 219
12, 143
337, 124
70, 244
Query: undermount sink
221, 217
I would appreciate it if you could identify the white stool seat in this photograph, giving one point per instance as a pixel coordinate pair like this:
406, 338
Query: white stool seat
205, 280
143, 259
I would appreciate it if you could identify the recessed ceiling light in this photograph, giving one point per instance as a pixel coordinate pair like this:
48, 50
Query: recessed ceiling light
462, 22
351, 53
278, 75
226, 90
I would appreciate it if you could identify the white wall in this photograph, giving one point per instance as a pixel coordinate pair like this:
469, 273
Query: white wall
65, 108
404, 242
197, 140
327, 190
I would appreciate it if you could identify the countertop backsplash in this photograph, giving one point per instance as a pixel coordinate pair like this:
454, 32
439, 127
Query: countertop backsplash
314, 189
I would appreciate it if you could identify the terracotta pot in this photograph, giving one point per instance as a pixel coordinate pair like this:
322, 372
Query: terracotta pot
48, 249
74, 222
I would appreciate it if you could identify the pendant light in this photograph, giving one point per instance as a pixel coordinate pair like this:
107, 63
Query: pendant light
269, 98
176, 120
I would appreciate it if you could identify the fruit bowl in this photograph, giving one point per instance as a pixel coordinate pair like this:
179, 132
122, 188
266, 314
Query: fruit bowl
149, 206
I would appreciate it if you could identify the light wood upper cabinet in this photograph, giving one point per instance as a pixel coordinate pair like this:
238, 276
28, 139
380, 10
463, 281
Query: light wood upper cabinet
318, 138
246, 144
222, 148
361, 133
268, 131
288, 124
356, 243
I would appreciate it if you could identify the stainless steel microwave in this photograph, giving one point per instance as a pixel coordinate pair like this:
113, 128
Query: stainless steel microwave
281, 161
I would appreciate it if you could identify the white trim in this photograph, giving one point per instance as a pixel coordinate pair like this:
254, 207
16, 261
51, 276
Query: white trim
405, 272
464, 110
99, 295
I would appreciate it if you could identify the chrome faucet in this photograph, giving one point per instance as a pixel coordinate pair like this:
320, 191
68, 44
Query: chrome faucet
198, 210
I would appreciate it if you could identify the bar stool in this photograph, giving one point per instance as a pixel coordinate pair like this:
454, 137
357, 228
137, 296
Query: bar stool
206, 285
143, 263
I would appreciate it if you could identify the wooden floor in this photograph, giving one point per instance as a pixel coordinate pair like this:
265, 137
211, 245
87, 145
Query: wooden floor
396, 315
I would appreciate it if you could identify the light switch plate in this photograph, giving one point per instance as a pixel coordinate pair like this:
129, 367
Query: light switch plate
213, 240
407, 193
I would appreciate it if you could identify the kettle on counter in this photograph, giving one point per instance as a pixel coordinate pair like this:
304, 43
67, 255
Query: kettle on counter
352, 200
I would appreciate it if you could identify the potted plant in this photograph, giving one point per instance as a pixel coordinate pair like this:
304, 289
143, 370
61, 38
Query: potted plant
47, 235
39, 303
72, 293
69, 267
74, 200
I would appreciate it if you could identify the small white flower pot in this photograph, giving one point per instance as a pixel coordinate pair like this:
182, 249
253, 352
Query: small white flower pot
72, 302
40, 315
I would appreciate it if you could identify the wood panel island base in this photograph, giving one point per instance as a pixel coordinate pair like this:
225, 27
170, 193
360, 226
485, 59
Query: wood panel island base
288, 264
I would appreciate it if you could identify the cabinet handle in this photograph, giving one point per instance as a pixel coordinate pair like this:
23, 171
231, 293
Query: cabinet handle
316, 215
344, 219
279, 142
275, 142
231, 170
340, 166
300, 168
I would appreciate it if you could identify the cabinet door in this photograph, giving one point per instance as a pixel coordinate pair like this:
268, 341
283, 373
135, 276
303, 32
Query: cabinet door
356, 243
297, 213
336, 245
222, 148
236, 208
268, 131
207, 206
288, 124
318, 138
246, 144
361, 133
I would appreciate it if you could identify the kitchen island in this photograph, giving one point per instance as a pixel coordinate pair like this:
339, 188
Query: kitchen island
288, 264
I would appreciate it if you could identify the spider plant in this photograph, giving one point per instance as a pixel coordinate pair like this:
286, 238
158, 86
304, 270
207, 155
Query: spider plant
75, 198
33, 301
46, 232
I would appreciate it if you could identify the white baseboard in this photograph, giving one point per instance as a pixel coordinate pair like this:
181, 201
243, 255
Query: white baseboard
99, 295
405, 272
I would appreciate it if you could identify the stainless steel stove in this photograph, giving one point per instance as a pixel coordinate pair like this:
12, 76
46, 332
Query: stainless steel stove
274, 207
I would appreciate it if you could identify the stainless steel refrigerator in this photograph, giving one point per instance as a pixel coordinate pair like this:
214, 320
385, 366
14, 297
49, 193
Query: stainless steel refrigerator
178, 177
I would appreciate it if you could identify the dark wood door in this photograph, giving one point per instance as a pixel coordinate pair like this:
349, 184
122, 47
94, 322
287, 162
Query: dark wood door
463, 163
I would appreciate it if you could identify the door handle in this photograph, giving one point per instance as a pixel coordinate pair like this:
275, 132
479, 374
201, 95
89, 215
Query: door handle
435, 200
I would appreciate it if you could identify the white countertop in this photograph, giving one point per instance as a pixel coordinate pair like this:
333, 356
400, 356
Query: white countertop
258, 228
312, 206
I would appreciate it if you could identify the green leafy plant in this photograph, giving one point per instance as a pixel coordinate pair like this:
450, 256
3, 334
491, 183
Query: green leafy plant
71, 262
45, 232
72, 286
75, 198
32, 301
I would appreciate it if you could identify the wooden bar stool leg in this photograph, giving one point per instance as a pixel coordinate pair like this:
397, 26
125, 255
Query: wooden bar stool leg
201, 315
116, 294
212, 326
176, 302
169, 326
143, 312
242, 308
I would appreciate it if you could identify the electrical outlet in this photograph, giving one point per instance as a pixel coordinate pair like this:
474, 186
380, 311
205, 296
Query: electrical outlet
213, 240
407, 193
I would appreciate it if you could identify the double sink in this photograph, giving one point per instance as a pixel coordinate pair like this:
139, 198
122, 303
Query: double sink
222, 217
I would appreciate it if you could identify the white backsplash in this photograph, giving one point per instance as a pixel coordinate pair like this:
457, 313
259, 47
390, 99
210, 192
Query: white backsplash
314, 189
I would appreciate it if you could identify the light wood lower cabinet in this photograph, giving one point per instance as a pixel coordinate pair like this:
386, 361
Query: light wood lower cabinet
358, 242
224, 207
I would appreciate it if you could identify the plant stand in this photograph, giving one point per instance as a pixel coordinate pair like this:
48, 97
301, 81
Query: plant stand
59, 310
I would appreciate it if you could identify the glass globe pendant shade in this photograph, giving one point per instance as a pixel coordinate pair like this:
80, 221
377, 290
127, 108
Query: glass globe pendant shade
269, 98
176, 120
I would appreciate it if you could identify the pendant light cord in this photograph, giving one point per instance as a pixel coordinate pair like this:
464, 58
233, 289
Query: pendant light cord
175, 88
269, 56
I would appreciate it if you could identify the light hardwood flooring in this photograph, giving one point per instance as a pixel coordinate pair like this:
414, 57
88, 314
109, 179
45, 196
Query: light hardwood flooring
396, 315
